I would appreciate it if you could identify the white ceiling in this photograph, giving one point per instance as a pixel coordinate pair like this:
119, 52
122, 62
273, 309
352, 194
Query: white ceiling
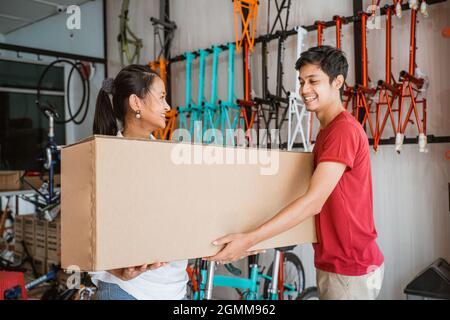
20, 13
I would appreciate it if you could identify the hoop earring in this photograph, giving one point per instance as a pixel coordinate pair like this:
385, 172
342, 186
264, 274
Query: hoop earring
138, 114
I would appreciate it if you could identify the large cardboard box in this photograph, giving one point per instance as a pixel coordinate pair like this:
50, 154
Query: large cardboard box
10, 180
127, 202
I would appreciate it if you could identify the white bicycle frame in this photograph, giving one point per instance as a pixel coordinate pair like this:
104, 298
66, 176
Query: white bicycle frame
297, 109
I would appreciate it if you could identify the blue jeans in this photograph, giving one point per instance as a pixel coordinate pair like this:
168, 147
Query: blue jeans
111, 291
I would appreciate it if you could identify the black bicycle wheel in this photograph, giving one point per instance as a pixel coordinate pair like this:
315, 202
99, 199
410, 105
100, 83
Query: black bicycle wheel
294, 275
310, 293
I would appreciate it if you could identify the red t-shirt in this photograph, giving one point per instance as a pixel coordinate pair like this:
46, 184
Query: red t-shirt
345, 227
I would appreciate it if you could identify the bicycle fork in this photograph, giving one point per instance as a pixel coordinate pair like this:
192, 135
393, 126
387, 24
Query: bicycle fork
273, 289
210, 280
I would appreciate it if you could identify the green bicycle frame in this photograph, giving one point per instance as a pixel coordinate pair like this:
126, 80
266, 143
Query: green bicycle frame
125, 42
250, 284
229, 109
186, 109
197, 109
209, 125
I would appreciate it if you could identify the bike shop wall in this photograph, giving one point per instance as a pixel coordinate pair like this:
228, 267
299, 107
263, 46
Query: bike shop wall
411, 205
52, 34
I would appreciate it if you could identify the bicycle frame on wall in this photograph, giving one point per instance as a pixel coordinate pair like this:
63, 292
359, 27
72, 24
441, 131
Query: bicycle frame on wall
297, 109
184, 111
210, 107
247, 113
412, 86
362, 94
228, 109
171, 116
245, 12
388, 89
364, 99
127, 38
196, 111
270, 105
348, 90
160, 64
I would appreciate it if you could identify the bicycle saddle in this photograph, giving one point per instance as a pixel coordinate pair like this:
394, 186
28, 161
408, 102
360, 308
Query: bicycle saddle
48, 109
284, 249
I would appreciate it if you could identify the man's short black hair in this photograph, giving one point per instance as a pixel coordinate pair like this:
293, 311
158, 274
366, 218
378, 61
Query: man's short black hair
331, 60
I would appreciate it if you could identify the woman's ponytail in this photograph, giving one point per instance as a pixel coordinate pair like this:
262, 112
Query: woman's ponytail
104, 118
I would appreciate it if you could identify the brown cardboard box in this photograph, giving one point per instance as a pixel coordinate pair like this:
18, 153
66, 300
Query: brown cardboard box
54, 240
18, 235
10, 180
54, 249
41, 238
127, 202
29, 229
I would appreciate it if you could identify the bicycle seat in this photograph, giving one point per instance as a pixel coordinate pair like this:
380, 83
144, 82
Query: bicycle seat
285, 249
48, 109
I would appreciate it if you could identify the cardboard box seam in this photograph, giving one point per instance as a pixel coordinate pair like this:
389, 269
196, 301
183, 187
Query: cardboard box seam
93, 204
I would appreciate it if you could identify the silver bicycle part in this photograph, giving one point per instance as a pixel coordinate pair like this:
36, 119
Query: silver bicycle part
209, 280
276, 270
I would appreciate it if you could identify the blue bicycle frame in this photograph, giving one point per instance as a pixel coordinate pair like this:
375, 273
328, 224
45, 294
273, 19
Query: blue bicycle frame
251, 284
183, 111
210, 108
229, 109
52, 158
197, 109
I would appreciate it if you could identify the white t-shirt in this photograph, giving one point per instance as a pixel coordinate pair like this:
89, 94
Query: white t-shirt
165, 283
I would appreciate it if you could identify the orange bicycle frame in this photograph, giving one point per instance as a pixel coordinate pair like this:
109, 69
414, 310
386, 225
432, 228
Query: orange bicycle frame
248, 20
388, 92
408, 79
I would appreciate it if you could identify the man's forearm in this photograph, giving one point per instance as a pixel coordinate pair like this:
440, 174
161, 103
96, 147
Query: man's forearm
290, 216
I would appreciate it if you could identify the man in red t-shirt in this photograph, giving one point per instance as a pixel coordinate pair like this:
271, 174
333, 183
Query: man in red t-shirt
348, 260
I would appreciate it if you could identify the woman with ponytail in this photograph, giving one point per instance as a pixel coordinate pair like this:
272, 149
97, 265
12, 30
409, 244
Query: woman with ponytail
138, 108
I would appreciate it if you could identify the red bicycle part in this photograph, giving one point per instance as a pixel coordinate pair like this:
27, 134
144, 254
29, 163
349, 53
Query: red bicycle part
247, 106
410, 88
193, 276
339, 21
281, 277
388, 92
320, 27
360, 91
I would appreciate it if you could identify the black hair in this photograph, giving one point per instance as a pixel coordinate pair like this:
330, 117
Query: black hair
133, 79
331, 60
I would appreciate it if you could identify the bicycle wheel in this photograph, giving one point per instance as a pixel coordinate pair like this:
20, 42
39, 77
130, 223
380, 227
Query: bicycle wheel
310, 293
294, 275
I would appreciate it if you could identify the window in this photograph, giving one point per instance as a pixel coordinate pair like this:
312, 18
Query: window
23, 127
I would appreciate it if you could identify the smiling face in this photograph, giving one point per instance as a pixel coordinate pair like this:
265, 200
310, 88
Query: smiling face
315, 88
153, 107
